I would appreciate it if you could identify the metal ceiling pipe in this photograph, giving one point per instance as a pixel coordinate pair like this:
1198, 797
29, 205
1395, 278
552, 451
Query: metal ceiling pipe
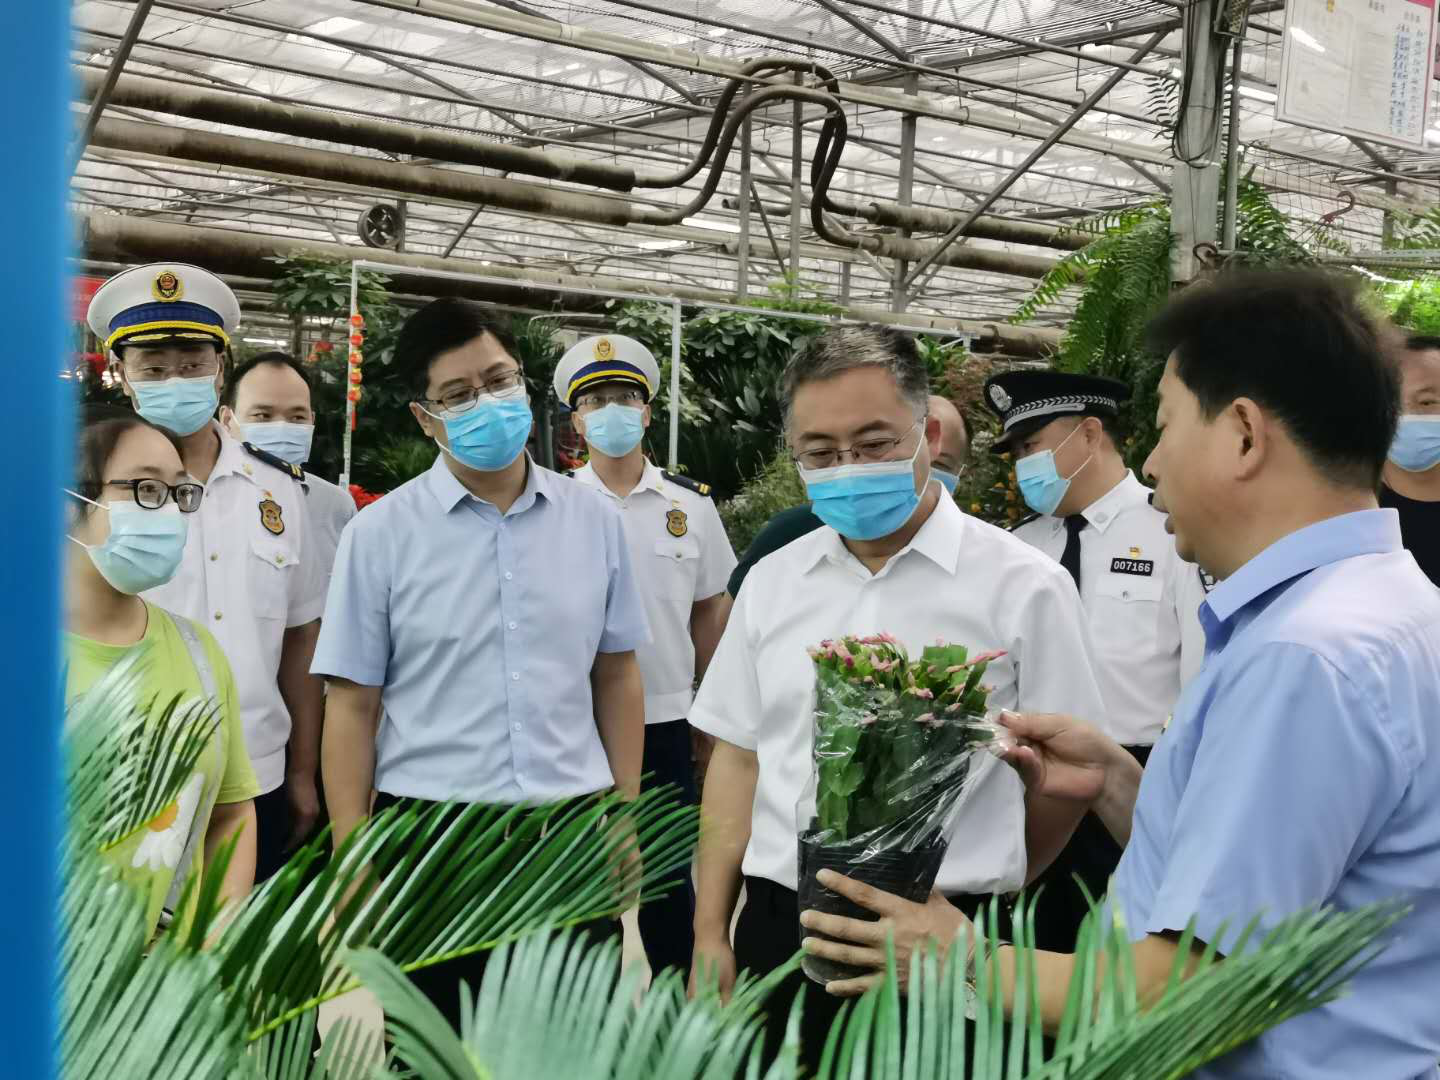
116, 238
929, 219
221, 107
422, 182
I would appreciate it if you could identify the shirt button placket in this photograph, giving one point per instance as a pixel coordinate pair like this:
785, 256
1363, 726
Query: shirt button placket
510, 649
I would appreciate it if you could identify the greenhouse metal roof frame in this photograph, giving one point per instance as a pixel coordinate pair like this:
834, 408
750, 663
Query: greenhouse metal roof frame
676, 304
562, 70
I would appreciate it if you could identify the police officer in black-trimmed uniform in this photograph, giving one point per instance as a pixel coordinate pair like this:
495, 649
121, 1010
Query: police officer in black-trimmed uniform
1093, 516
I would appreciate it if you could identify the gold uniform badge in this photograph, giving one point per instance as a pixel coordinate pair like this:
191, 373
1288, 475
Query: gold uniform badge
167, 286
675, 523
604, 350
270, 516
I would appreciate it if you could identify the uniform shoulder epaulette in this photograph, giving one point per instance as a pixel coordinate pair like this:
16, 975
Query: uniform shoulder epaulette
697, 486
293, 471
1023, 521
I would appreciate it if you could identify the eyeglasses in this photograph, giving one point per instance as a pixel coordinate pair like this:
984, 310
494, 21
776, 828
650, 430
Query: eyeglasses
463, 398
147, 371
599, 400
867, 450
152, 494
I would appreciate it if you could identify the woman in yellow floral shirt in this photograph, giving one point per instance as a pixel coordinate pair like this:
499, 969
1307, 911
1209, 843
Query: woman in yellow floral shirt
132, 499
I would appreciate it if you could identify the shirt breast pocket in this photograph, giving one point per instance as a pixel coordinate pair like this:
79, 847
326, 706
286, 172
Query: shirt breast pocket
1129, 588
268, 574
679, 563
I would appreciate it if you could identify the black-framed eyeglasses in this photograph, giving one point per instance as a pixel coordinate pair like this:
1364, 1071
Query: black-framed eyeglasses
152, 494
463, 398
600, 398
871, 451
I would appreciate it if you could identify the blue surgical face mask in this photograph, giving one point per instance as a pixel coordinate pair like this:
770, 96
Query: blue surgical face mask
865, 500
1417, 443
489, 436
180, 406
287, 441
949, 479
1041, 485
615, 430
144, 547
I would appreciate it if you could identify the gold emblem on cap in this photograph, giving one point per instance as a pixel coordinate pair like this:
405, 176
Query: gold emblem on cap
604, 350
167, 286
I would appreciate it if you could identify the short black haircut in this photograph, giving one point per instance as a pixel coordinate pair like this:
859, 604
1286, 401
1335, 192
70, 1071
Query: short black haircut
1303, 345
275, 358
440, 326
1422, 342
100, 429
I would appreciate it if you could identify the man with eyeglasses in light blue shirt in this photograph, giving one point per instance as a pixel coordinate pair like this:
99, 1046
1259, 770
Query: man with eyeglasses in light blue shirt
480, 633
1301, 768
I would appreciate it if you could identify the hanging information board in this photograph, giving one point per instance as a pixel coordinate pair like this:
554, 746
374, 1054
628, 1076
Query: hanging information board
1359, 67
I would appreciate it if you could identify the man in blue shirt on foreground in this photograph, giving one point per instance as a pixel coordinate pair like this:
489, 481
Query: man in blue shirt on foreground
1302, 766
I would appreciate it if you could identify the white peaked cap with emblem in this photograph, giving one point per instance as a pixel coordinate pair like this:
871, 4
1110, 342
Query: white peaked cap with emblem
162, 302
605, 358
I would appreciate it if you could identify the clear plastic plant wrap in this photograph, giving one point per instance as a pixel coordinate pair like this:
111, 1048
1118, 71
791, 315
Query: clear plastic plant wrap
893, 742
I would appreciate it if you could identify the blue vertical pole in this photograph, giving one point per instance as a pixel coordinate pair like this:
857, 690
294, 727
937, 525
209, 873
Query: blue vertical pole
34, 441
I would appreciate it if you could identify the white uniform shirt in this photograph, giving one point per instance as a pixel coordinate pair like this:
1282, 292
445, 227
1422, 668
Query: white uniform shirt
247, 575
680, 555
330, 508
959, 580
1142, 604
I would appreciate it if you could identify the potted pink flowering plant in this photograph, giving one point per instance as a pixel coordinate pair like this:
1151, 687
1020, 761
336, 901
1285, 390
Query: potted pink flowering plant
893, 742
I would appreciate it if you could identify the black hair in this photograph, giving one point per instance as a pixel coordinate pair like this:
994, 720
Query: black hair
1422, 342
847, 348
1303, 346
440, 326
100, 429
276, 359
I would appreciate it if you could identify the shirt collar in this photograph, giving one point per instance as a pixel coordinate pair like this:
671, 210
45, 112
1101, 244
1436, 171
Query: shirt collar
938, 540
1104, 510
1365, 532
450, 493
233, 459
650, 479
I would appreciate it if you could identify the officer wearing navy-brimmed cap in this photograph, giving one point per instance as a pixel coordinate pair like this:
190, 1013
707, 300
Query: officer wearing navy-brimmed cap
248, 574
682, 561
1141, 600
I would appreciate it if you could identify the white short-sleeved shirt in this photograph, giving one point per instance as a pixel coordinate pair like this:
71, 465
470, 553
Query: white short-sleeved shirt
330, 508
1141, 602
959, 580
482, 629
248, 574
681, 555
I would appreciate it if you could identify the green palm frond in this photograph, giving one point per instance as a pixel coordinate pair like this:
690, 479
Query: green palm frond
459, 883
558, 1007
126, 761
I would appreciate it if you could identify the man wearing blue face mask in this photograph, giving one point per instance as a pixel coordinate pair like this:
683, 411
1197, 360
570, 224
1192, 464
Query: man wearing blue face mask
895, 555
249, 573
480, 633
1094, 517
682, 559
1411, 481
267, 404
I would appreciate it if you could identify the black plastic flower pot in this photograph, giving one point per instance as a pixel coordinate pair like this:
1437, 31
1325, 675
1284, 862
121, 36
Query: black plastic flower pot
910, 874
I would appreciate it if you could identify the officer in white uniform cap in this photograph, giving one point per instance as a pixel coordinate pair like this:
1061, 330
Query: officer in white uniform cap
682, 560
247, 574
1093, 516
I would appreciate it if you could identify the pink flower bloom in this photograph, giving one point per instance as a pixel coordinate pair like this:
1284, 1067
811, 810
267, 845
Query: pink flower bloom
952, 709
869, 680
888, 639
849, 661
925, 718
920, 692
954, 668
985, 657
885, 665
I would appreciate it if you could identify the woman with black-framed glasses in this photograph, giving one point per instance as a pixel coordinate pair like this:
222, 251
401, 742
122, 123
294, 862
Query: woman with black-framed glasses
128, 525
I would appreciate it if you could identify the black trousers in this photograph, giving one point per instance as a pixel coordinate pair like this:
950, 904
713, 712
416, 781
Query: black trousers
667, 923
273, 821
767, 934
1092, 855
441, 982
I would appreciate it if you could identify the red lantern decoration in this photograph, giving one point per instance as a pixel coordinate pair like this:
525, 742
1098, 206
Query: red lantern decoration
354, 394
324, 346
355, 359
357, 340
357, 319
355, 376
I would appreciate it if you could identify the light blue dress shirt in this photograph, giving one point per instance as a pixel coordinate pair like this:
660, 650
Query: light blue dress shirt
482, 628
1302, 768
